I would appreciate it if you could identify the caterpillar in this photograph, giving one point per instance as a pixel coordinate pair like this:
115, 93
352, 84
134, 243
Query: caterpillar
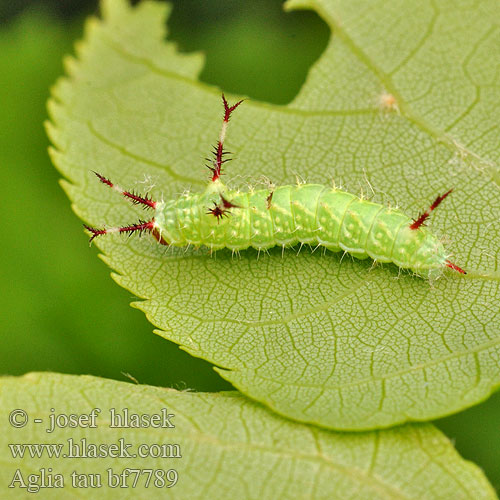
287, 215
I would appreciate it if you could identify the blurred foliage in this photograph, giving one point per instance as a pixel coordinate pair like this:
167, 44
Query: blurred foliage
65, 9
476, 435
60, 310
248, 44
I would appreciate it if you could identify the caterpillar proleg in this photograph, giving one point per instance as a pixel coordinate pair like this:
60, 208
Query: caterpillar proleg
287, 215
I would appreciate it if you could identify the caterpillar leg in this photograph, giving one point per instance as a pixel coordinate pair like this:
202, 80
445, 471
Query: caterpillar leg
136, 199
218, 152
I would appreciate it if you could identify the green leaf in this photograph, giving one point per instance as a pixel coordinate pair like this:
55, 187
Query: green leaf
228, 447
317, 337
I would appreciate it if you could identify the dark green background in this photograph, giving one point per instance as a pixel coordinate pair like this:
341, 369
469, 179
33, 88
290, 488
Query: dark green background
60, 311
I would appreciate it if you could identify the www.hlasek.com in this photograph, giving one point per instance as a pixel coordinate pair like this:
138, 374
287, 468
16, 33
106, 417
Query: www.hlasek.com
84, 448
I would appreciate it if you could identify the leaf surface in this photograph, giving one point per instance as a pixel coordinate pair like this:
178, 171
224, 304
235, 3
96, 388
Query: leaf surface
396, 106
225, 446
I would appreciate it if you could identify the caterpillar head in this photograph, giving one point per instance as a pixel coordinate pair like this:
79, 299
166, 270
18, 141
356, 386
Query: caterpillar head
430, 258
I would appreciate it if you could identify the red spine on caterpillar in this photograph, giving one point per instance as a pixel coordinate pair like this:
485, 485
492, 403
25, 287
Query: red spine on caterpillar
454, 267
420, 221
423, 217
222, 211
219, 152
139, 227
135, 198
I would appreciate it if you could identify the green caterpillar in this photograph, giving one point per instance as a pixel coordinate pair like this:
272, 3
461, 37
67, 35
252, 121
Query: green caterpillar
287, 215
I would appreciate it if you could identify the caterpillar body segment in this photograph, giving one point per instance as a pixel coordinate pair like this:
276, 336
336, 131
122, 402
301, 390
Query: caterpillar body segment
284, 216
